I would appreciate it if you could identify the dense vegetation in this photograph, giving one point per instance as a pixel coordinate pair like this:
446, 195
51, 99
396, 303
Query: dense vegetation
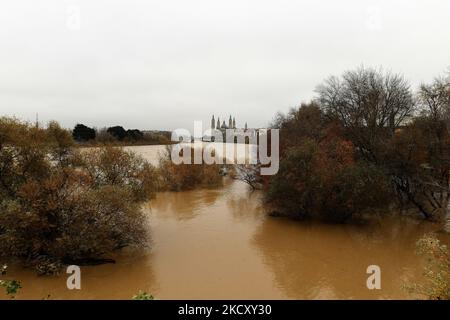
365, 143
320, 175
61, 205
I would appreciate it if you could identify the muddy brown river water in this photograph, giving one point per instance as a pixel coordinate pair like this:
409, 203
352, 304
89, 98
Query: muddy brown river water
220, 244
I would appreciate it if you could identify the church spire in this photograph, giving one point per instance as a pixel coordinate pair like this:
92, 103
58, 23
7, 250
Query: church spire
230, 122
213, 123
218, 123
234, 123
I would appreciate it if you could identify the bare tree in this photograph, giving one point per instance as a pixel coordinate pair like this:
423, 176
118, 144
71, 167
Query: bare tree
435, 98
370, 105
248, 173
420, 157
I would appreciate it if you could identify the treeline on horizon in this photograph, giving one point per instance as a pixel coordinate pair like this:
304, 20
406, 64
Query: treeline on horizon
119, 135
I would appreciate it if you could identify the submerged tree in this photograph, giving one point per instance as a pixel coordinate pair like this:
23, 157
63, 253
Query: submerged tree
319, 175
406, 138
186, 176
249, 174
419, 155
60, 205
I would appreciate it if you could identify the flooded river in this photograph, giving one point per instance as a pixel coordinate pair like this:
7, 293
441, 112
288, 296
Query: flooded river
219, 243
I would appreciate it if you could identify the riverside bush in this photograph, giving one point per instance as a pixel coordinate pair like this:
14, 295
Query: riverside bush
59, 205
436, 271
178, 177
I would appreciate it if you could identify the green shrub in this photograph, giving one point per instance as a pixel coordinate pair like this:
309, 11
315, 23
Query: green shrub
143, 296
437, 269
12, 287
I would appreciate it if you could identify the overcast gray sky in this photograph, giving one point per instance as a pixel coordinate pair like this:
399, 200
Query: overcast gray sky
163, 64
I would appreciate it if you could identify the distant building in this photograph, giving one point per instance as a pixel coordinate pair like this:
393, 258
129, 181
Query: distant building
242, 135
218, 126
